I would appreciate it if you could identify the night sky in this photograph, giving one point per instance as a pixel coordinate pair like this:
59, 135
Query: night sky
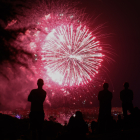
121, 26
122, 22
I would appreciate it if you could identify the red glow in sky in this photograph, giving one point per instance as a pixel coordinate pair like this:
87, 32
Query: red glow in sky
67, 56
70, 54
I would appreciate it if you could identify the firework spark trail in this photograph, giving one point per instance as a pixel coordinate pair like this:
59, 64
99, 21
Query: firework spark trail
67, 55
71, 56
67, 51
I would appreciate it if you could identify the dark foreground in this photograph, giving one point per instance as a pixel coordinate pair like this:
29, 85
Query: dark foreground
15, 129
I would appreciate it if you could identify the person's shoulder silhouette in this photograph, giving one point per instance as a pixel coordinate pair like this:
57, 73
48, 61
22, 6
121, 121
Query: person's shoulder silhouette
37, 97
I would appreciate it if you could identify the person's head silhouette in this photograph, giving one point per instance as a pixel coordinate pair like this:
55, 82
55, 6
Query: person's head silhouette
40, 83
79, 114
105, 85
126, 85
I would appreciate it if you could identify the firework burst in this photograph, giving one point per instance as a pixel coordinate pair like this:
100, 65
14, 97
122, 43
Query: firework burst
71, 55
67, 53
66, 50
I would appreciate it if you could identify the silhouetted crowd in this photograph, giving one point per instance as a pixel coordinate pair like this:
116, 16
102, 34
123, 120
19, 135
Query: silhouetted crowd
36, 128
19, 129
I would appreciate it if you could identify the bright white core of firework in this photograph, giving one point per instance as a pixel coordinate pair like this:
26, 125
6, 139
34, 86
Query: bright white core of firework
71, 55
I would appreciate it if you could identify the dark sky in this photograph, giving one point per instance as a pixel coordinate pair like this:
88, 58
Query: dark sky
122, 22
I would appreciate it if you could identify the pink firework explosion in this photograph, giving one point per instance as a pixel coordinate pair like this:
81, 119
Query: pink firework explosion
67, 52
70, 54
67, 55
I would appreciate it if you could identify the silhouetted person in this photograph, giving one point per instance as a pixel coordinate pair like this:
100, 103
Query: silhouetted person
81, 125
105, 97
77, 126
126, 97
37, 97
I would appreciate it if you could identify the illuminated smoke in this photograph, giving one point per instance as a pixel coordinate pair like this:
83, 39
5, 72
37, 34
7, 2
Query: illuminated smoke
67, 55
